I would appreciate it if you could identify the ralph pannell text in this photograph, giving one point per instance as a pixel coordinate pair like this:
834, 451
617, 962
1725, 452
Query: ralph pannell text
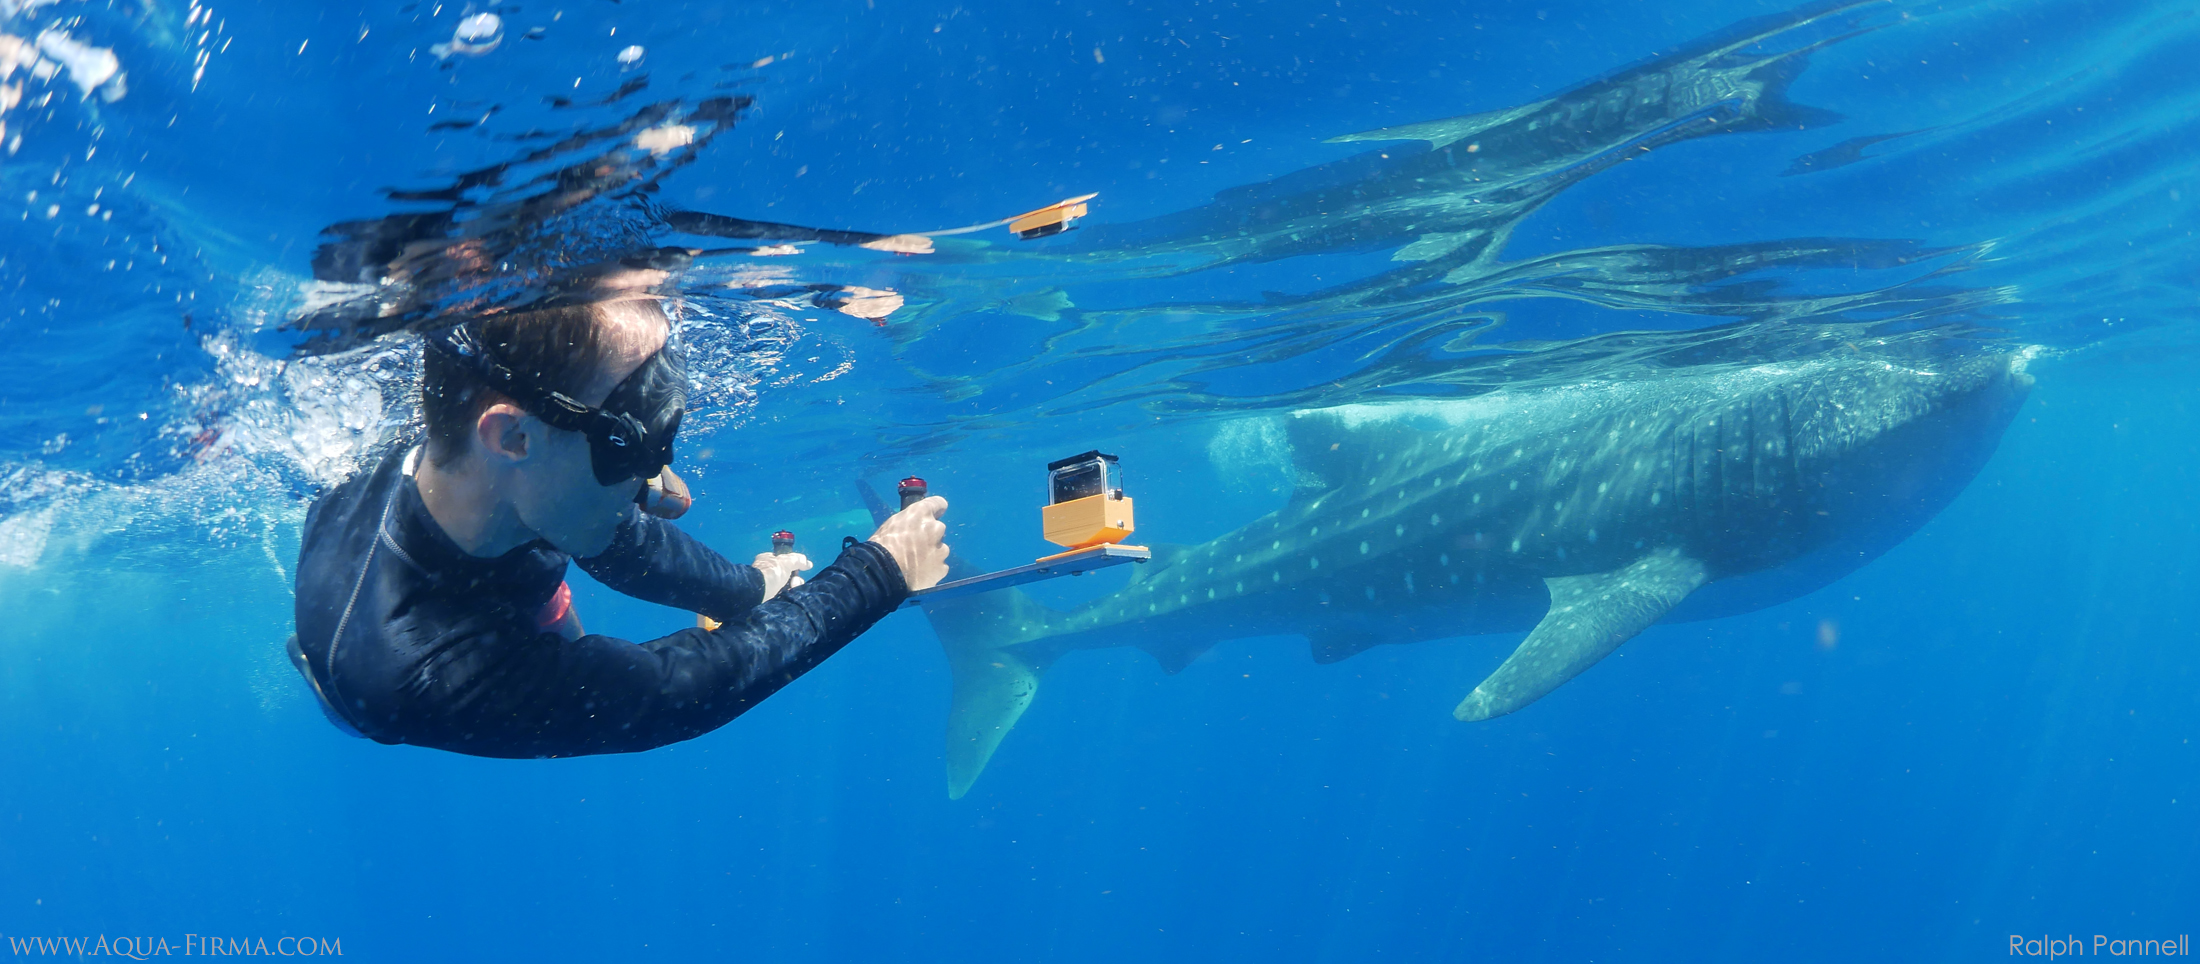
2099, 945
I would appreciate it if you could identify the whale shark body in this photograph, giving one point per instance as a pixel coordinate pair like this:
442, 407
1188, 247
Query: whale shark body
1581, 514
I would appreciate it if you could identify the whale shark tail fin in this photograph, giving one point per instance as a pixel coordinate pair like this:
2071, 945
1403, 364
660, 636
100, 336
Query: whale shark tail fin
1590, 617
997, 647
992, 684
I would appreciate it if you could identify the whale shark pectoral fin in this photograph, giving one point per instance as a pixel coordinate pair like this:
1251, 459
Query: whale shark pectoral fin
992, 689
1590, 617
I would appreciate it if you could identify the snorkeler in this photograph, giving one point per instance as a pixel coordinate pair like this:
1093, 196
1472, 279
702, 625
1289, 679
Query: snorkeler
431, 602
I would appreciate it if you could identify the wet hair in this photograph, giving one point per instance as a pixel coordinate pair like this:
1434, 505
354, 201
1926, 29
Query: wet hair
562, 349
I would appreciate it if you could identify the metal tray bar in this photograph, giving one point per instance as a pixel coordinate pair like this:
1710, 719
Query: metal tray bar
1065, 564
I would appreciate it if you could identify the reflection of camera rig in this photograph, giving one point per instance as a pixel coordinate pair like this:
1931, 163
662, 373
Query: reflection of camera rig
1053, 219
1045, 222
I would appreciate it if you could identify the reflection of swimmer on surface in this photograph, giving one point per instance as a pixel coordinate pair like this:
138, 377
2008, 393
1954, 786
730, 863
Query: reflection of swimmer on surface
402, 272
581, 214
554, 226
431, 602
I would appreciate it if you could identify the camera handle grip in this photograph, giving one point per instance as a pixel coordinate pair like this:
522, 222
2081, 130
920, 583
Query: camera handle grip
913, 490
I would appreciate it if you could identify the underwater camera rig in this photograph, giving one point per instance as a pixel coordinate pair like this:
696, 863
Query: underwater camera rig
1086, 510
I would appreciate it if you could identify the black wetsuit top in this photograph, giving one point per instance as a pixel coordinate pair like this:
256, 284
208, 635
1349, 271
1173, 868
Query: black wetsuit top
408, 639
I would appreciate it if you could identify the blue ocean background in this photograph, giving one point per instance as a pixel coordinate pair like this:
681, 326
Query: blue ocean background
1988, 731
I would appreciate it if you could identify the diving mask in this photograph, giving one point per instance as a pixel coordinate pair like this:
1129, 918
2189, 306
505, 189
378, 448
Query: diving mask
629, 436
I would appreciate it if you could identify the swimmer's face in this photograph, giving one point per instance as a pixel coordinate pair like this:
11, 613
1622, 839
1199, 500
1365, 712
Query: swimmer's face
554, 489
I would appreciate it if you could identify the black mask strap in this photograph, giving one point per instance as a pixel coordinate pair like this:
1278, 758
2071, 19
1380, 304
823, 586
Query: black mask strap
620, 445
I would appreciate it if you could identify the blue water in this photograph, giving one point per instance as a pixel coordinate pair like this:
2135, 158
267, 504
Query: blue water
1988, 731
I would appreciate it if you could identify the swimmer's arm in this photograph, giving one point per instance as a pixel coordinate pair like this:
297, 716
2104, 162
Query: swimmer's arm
651, 559
599, 694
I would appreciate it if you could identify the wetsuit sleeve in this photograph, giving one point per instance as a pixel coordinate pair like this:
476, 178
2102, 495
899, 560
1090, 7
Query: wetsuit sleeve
651, 559
604, 695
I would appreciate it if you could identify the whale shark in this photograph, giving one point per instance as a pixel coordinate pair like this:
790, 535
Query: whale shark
1579, 513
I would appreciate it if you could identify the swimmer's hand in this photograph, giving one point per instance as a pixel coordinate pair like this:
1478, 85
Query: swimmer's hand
914, 538
666, 496
780, 571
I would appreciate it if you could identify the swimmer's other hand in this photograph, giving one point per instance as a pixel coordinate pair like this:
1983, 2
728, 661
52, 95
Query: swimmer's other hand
914, 537
780, 571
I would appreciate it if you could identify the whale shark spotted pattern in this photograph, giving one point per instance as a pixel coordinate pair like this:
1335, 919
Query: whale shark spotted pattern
1582, 513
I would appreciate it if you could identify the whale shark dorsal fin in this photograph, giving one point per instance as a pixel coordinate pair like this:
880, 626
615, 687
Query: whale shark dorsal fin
1590, 617
1442, 133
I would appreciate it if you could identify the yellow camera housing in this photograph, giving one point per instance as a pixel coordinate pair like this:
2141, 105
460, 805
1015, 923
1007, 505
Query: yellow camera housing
1090, 521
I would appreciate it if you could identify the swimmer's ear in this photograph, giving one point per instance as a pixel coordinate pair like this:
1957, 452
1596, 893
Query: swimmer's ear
501, 432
